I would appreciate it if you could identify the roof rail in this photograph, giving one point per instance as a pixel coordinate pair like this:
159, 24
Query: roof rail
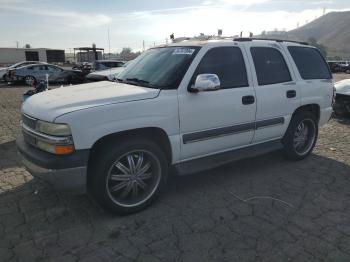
246, 39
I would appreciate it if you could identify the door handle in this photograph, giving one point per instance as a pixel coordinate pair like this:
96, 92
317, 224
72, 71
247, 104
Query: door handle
247, 100
291, 93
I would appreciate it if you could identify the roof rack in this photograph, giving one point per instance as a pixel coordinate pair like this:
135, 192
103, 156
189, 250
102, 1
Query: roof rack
246, 39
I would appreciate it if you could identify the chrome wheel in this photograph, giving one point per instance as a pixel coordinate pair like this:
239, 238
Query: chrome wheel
30, 80
304, 136
133, 178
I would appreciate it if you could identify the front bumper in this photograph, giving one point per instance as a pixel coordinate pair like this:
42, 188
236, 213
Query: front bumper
66, 173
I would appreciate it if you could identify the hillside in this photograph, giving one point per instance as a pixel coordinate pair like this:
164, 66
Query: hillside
331, 30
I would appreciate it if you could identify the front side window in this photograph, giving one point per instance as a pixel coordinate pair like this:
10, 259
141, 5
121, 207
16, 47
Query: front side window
227, 63
54, 69
270, 66
161, 68
310, 63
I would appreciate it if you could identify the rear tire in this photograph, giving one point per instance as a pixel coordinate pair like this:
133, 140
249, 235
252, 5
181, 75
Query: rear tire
127, 177
301, 136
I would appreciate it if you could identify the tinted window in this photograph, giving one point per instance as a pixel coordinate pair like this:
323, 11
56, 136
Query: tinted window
53, 68
270, 66
310, 63
227, 63
42, 67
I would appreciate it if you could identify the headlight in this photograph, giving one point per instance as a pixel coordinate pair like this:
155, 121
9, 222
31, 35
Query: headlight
53, 129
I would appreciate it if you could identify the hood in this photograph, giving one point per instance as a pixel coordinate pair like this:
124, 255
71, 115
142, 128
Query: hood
343, 87
50, 104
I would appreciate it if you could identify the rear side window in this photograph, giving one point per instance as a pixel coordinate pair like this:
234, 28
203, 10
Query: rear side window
310, 63
227, 63
270, 66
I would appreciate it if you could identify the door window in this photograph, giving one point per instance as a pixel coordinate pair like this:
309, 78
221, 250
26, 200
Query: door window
270, 66
227, 63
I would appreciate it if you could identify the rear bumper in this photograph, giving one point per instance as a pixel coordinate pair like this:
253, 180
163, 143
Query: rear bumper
65, 173
325, 115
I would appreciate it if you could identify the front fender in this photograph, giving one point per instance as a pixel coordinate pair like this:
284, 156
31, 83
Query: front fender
90, 125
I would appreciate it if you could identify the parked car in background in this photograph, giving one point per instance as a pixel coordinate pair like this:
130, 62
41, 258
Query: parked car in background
31, 73
85, 67
339, 66
106, 64
342, 98
345, 67
334, 66
68, 76
4, 70
106, 75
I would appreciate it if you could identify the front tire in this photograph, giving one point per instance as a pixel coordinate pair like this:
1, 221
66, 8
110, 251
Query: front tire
301, 136
127, 177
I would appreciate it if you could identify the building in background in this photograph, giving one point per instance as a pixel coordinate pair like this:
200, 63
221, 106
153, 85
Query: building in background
88, 54
14, 55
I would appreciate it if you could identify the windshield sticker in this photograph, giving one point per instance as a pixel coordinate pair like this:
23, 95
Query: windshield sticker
183, 51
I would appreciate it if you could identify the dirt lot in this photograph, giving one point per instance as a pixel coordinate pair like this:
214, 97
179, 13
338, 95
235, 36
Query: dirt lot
260, 209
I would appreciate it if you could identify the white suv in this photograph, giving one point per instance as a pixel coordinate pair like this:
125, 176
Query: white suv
188, 106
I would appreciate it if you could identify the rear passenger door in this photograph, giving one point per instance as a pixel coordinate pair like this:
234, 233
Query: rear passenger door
276, 90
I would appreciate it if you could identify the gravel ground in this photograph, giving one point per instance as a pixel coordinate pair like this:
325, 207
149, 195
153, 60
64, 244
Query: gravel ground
259, 209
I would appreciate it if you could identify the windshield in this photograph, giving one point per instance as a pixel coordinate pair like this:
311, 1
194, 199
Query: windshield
161, 68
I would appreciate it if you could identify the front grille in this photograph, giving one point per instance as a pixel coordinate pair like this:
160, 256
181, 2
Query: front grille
28, 121
29, 139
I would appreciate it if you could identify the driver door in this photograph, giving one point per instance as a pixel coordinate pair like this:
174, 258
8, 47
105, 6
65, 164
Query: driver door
216, 121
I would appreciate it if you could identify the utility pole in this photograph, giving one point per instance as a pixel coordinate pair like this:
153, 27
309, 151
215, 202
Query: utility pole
109, 46
143, 45
17, 43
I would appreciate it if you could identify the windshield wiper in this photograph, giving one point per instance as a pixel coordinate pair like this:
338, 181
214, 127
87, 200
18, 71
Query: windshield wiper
138, 81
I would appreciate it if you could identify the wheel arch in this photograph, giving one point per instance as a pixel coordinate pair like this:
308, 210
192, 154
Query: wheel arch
155, 134
313, 108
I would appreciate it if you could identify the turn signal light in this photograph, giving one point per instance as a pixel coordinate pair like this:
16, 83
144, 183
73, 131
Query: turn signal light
64, 150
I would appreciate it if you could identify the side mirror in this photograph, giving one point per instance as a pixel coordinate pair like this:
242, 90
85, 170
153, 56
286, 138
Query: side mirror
206, 82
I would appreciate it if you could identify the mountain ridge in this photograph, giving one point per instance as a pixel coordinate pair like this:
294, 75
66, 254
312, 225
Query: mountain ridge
331, 30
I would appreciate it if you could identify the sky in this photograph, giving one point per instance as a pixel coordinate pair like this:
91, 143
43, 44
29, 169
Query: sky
65, 24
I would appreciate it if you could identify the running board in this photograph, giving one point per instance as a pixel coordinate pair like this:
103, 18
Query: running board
209, 162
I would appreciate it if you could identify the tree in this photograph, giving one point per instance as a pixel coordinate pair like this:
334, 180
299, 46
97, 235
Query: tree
312, 41
127, 54
27, 46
